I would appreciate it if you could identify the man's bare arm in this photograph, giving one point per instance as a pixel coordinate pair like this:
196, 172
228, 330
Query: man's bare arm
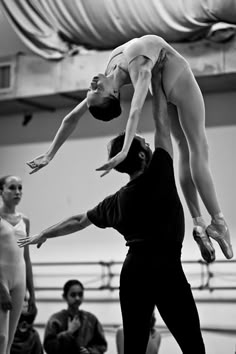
65, 227
68, 226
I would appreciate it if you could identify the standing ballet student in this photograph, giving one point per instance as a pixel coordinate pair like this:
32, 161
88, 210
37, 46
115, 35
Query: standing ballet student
132, 63
15, 265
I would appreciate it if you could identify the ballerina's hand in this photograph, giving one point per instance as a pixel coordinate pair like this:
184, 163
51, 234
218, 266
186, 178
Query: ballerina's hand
38, 163
113, 162
33, 240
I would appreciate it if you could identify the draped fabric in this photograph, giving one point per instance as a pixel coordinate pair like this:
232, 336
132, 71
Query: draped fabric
51, 28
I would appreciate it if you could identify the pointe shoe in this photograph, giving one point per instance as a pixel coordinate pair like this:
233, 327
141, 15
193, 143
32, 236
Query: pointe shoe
220, 233
204, 244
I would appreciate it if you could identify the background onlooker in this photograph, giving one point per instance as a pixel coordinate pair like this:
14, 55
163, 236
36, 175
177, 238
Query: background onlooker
73, 330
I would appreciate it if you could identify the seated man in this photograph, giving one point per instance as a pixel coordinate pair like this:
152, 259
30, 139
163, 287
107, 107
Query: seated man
74, 331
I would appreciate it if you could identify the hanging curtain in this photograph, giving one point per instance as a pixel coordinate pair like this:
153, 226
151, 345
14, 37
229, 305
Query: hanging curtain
51, 28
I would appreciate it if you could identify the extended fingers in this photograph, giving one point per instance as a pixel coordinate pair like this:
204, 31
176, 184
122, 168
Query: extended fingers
23, 239
35, 166
31, 164
106, 172
35, 169
23, 242
106, 166
21, 245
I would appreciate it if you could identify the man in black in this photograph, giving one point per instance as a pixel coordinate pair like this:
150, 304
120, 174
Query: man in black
148, 213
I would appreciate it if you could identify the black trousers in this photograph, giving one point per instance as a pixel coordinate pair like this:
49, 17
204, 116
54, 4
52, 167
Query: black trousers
148, 280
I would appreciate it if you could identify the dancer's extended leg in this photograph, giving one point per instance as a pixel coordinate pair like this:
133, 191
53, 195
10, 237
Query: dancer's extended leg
17, 295
5, 306
191, 112
4, 325
189, 188
185, 177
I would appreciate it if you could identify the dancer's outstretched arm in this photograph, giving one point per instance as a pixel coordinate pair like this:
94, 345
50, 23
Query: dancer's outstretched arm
141, 86
65, 227
65, 130
141, 78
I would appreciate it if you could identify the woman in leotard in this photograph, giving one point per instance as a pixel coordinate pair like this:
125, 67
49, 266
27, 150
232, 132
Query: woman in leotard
132, 63
15, 265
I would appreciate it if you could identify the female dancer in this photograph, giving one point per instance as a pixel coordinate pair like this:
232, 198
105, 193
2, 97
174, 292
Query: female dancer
132, 63
15, 265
